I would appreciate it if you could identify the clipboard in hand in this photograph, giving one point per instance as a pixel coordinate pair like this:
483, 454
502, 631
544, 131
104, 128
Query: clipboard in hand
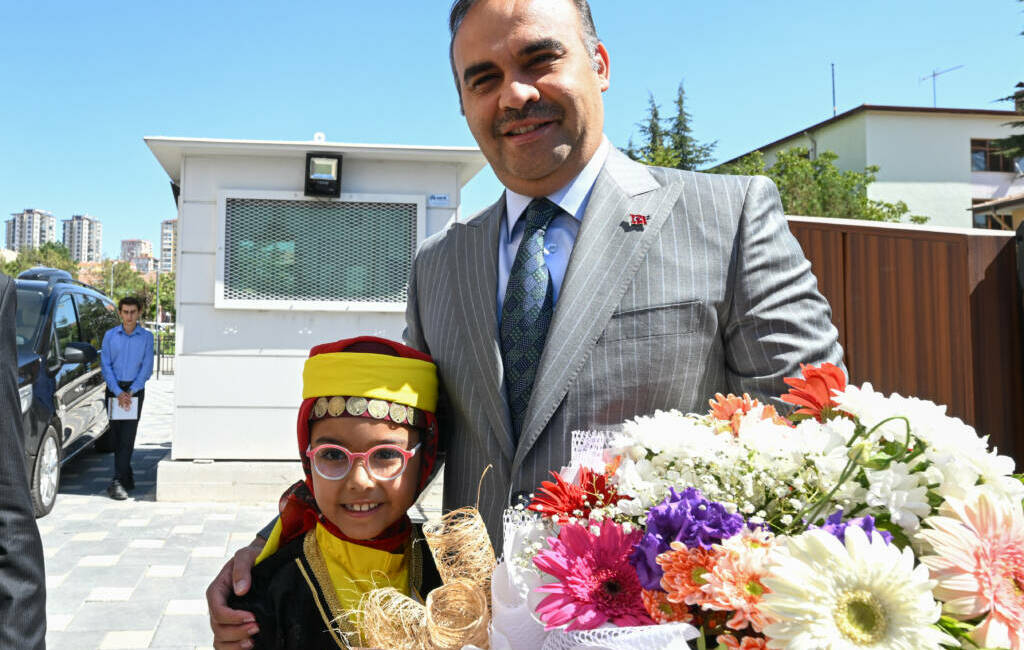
115, 412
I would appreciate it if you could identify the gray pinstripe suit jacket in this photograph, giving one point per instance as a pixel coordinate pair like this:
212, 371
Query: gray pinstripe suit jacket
712, 295
22, 579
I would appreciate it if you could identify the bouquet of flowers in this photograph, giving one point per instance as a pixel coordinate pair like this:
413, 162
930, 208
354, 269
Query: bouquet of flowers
862, 520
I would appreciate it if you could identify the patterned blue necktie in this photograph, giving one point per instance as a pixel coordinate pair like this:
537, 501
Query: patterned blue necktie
526, 312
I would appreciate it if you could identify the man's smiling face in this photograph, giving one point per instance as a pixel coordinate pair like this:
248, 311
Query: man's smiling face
530, 90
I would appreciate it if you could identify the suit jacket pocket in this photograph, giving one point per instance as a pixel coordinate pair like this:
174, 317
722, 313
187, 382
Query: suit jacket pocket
653, 321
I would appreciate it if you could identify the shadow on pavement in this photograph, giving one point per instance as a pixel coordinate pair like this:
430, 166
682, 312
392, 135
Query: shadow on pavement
90, 472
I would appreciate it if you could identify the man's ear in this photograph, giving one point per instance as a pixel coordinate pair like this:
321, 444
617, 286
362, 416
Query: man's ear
602, 66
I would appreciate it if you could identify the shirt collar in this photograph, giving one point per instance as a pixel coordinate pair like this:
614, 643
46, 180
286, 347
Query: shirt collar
134, 331
570, 198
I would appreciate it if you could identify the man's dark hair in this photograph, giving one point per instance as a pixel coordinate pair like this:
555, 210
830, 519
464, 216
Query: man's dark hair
129, 300
461, 7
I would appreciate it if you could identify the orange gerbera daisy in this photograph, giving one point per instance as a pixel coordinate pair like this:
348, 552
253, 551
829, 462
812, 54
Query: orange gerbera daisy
747, 643
685, 570
731, 409
733, 583
814, 392
663, 610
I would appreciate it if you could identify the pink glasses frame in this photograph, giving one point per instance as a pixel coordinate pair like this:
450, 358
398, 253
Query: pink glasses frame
354, 456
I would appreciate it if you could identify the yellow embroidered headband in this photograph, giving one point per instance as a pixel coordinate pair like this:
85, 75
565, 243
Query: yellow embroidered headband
370, 385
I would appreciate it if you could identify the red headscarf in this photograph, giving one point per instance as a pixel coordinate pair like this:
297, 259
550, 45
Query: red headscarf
299, 512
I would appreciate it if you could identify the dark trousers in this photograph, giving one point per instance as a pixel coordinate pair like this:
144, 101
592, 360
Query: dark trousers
122, 434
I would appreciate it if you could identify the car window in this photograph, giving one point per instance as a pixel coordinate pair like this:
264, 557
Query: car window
30, 312
92, 319
65, 322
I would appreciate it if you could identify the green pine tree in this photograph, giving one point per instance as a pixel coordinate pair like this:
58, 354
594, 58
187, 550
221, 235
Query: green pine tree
672, 145
1013, 146
692, 154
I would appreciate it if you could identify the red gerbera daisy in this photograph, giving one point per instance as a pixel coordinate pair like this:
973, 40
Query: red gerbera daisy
814, 392
562, 500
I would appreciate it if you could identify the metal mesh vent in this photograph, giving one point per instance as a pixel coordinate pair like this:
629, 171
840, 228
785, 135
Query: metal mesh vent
316, 251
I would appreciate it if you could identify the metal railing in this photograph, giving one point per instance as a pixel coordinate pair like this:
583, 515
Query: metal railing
163, 348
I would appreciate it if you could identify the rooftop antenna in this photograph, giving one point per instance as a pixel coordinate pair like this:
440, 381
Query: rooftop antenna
936, 73
833, 90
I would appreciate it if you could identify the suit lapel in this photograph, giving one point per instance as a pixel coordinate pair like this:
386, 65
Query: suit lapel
605, 258
474, 264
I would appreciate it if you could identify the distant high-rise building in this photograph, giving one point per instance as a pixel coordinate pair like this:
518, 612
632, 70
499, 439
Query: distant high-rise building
30, 229
83, 236
168, 245
144, 264
135, 248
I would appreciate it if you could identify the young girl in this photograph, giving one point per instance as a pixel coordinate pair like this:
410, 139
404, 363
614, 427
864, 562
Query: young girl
368, 443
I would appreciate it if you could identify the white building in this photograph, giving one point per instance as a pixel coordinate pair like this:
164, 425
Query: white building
135, 248
265, 272
939, 161
30, 229
144, 264
168, 245
83, 236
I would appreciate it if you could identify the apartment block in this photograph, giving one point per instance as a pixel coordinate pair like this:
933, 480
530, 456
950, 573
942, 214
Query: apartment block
168, 245
83, 236
30, 229
132, 249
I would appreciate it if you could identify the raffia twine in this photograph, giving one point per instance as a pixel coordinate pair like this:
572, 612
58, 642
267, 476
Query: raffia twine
457, 616
390, 619
461, 548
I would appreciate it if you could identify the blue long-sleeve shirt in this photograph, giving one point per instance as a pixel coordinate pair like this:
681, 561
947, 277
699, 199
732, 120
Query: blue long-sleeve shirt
127, 357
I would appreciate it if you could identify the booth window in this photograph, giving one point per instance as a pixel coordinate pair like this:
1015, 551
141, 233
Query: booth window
311, 251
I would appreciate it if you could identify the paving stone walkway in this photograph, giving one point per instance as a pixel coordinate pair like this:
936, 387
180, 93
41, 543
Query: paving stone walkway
132, 574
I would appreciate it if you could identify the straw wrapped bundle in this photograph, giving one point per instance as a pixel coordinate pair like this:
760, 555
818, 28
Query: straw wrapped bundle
457, 613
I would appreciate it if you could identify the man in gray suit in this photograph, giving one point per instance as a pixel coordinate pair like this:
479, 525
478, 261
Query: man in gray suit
595, 289
22, 583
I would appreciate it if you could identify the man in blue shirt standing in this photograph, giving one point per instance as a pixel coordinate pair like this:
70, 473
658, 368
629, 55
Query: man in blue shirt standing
127, 360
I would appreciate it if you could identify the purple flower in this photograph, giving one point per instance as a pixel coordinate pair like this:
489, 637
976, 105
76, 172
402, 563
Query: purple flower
685, 517
837, 527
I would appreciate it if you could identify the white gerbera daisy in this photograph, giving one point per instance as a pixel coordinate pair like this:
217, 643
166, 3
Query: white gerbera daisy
864, 594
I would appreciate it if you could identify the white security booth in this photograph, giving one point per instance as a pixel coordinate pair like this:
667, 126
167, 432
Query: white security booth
265, 270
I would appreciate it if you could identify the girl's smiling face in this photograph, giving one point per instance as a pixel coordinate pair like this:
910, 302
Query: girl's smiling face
358, 504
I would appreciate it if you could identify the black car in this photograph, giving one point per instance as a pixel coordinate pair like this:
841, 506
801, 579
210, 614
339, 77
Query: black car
60, 328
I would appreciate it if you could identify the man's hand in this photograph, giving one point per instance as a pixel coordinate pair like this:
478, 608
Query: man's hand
233, 627
124, 400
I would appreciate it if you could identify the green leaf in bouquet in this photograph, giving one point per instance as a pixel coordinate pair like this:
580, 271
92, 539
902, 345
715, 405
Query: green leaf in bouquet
959, 630
899, 538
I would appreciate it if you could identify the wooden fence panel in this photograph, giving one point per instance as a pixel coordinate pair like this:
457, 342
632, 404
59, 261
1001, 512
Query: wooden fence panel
930, 312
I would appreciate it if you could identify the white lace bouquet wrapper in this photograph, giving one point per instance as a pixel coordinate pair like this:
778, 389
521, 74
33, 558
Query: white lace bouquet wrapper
671, 636
513, 625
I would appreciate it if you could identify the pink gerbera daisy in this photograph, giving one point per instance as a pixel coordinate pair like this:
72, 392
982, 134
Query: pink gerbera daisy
978, 561
595, 583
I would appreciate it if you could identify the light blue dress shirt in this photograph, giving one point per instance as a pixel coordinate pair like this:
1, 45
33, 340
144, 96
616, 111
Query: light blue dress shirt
561, 233
127, 357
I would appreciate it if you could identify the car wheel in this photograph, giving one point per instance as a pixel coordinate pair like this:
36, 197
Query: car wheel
46, 474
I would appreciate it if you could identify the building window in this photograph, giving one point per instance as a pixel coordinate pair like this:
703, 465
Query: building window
990, 221
985, 159
316, 254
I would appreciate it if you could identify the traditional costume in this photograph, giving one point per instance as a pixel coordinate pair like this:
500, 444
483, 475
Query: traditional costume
309, 579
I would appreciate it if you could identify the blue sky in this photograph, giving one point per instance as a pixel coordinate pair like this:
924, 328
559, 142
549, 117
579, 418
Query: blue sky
82, 83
